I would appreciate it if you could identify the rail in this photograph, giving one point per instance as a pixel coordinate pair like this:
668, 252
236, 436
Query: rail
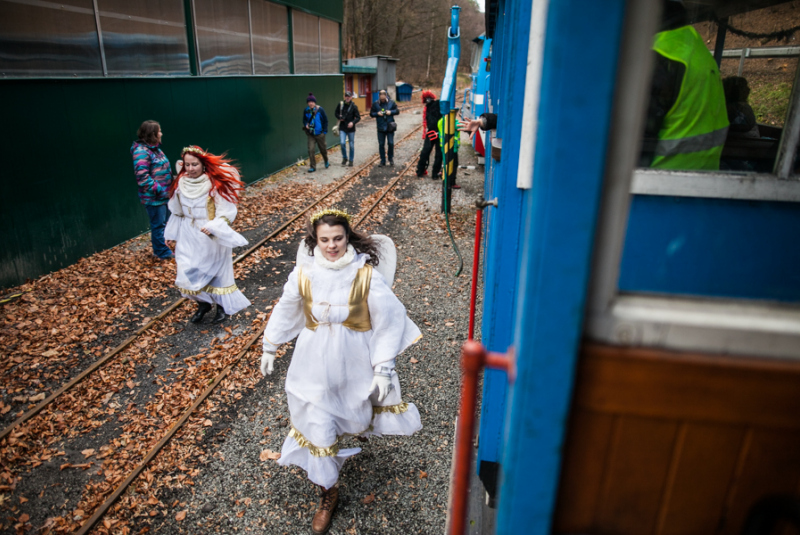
106, 505
175, 305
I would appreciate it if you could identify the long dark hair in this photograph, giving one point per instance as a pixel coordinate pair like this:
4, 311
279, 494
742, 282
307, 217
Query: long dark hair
360, 242
148, 132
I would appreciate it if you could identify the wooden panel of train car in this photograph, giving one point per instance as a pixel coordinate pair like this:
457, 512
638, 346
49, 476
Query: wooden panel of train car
674, 443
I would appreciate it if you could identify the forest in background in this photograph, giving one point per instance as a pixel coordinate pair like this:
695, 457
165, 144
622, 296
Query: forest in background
413, 31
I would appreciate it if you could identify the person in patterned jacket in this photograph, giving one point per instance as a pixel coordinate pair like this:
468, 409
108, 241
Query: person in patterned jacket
154, 177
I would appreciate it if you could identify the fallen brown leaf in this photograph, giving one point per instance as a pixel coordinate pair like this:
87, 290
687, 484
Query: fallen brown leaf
180, 515
269, 454
369, 498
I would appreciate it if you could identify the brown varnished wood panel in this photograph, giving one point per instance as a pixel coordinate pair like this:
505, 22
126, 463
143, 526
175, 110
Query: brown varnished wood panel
660, 384
634, 475
681, 443
771, 466
697, 495
587, 449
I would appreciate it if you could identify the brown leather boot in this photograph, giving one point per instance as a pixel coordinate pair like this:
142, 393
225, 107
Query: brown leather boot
323, 516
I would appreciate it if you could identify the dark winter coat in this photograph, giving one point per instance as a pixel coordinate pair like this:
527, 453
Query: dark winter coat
383, 121
347, 113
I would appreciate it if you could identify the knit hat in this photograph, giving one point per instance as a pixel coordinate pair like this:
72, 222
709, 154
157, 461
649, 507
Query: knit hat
311, 98
348, 93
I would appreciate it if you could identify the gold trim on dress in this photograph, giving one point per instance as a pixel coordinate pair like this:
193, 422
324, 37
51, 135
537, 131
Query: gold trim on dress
304, 287
210, 290
394, 409
333, 449
228, 221
358, 314
316, 451
358, 317
211, 208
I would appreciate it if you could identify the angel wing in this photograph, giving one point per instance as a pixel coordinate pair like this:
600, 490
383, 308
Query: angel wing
388, 254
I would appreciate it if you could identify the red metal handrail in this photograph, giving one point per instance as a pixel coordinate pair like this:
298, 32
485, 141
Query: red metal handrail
475, 263
474, 358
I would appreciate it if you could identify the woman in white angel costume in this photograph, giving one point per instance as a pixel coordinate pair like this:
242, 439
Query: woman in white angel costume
341, 381
203, 204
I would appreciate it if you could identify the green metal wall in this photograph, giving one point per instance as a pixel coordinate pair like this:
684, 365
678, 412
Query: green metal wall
327, 9
67, 182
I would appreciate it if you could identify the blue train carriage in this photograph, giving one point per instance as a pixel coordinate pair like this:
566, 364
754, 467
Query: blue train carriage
654, 313
475, 99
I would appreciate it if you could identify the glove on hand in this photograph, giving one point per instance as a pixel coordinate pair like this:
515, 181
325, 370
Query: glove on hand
384, 385
267, 360
433, 135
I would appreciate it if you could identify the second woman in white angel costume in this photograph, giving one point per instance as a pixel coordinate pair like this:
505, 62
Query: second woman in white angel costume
203, 204
351, 327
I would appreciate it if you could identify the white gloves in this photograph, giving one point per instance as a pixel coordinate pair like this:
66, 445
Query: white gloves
267, 361
383, 384
382, 381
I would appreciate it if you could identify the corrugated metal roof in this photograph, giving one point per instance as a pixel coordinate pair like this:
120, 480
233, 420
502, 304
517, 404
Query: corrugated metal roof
358, 69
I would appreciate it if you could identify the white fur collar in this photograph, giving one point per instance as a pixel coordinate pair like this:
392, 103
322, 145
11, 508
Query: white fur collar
192, 188
341, 263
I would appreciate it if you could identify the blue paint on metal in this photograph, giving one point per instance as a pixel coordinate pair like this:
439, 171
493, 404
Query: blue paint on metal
712, 247
502, 250
560, 218
447, 101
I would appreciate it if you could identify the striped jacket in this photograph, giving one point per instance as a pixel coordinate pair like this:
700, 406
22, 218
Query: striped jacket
153, 173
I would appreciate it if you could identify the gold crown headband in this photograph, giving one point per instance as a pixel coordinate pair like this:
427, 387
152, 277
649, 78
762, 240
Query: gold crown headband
330, 211
201, 152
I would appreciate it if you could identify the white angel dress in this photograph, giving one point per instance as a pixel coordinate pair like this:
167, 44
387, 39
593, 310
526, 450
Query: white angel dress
205, 266
348, 321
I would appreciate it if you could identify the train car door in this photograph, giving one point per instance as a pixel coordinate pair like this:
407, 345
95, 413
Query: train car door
685, 411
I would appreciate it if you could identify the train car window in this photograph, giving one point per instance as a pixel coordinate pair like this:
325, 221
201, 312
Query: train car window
42, 39
329, 46
270, 38
144, 38
690, 254
701, 116
223, 36
305, 34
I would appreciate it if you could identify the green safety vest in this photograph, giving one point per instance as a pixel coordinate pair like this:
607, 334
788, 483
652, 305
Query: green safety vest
695, 128
457, 136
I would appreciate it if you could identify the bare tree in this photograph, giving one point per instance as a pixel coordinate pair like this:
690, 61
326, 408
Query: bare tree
413, 31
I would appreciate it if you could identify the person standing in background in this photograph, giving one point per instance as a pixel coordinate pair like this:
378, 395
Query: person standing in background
430, 136
347, 113
315, 124
384, 109
154, 178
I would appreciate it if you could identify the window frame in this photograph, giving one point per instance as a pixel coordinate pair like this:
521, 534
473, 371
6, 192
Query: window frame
678, 322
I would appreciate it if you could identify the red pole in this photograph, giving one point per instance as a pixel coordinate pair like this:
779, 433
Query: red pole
473, 358
475, 262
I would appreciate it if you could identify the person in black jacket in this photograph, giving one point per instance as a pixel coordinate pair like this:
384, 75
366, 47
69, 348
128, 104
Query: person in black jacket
347, 113
430, 136
383, 110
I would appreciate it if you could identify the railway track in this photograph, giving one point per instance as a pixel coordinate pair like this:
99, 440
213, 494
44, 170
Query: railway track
251, 341
6, 434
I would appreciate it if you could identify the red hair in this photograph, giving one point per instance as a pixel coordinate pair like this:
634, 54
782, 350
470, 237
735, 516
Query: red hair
428, 94
222, 172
